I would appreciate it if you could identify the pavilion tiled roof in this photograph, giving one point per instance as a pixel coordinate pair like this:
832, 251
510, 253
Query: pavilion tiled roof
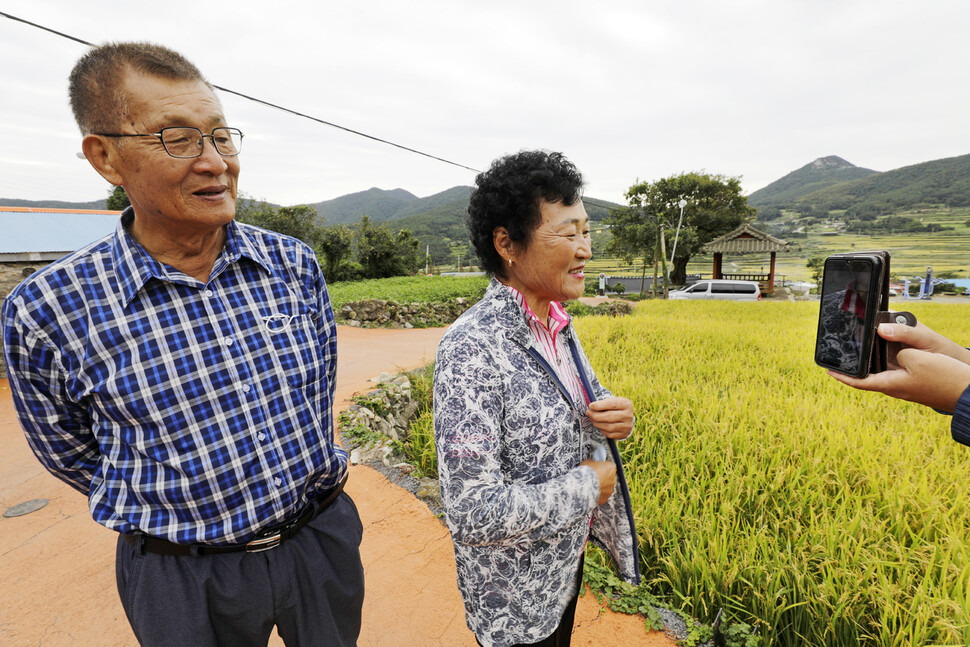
745, 240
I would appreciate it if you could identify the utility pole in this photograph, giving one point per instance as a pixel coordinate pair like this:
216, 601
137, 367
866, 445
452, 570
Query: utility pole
663, 259
681, 204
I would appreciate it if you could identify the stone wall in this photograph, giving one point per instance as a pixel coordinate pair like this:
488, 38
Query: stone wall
373, 427
377, 313
11, 275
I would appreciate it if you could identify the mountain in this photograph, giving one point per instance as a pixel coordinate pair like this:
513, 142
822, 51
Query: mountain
377, 204
454, 200
945, 181
437, 221
441, 225
98, 205
815, 176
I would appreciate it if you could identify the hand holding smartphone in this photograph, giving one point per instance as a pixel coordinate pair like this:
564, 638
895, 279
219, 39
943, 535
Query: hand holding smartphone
855, 299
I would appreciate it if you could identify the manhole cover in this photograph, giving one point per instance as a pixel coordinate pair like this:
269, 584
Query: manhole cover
25, 508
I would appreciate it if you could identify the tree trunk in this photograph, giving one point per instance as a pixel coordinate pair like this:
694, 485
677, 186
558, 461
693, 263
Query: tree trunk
643, 275
678, 274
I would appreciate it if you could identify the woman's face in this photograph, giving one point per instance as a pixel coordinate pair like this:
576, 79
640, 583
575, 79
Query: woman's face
551, 267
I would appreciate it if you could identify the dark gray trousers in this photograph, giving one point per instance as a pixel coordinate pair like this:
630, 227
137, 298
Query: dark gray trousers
311, 587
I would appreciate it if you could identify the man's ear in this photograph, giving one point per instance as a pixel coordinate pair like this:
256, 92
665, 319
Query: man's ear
503, 243
103, 158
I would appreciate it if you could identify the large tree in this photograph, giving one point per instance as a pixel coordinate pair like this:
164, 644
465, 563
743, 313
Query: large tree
335, 246
118, 200
634, 235
381, 253
299, 222
713, 206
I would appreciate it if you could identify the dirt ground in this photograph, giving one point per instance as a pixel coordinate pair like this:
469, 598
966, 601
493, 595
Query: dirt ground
58, 588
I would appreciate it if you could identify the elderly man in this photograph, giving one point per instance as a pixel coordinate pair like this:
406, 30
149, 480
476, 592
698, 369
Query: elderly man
180, 373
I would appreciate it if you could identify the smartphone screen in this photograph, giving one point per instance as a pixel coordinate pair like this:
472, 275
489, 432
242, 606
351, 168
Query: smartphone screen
847, 317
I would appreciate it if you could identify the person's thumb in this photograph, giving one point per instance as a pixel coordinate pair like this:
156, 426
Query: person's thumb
907, 358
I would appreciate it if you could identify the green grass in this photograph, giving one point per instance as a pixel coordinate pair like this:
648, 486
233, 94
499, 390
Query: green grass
419, 447
408, 289
823, 515
759, 484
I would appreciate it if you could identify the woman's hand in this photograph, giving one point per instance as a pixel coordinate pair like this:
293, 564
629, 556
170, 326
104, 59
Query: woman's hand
606, 473
612, 416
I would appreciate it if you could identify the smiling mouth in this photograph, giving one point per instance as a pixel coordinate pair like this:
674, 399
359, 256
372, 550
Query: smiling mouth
211, 192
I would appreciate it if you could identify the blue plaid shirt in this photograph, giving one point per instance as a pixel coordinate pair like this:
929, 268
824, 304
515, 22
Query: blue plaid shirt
193, 412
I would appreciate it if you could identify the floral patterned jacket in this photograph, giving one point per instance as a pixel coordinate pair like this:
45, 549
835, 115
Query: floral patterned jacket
517, 503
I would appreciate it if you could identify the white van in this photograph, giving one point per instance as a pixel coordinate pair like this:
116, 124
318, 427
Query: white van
721, 289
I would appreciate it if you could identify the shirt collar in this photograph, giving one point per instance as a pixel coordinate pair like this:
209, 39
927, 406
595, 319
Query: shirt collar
135, 266
558, 317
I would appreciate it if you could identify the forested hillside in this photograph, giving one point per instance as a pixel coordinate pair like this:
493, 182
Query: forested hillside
817, 175
832, 184
54, 204
940, 182
377, 204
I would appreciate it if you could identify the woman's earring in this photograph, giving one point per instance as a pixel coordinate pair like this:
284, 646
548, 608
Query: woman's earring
510, 261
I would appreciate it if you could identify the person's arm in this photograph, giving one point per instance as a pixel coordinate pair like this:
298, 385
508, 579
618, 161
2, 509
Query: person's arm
328, 332
482, 506
57, 428
927, 368
960, 424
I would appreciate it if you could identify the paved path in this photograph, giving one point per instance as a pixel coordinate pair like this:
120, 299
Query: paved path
57, 582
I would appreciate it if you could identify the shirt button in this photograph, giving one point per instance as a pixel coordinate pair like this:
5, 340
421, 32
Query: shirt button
261, 436
228, 341
246, 388
208, 293
278, 481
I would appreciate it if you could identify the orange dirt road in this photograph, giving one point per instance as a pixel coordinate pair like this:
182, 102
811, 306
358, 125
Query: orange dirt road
57, 583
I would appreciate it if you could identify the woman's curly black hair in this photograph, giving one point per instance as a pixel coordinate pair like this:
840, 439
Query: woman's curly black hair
508, 195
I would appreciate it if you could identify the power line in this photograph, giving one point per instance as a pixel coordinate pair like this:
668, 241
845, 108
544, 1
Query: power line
53, 31
294, 112
267, 103
349, 130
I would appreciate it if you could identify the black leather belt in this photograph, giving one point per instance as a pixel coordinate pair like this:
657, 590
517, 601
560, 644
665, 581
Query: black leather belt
265, 540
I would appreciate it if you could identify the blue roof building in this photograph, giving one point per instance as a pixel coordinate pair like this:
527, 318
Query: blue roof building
30, 234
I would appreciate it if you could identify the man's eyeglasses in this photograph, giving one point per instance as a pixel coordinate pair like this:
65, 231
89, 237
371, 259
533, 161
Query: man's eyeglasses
186, 142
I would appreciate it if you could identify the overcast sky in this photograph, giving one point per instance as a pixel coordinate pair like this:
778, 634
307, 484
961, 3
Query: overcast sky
628, 90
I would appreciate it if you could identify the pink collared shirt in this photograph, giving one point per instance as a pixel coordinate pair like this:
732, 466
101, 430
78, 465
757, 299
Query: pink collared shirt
552, 346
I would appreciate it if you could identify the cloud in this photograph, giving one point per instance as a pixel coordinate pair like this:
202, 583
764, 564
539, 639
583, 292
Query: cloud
626, 89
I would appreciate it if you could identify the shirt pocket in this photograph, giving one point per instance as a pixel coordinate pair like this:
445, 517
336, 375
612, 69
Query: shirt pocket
291, 336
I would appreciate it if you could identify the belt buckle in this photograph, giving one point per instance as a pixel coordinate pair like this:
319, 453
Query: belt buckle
268, 542
271, 537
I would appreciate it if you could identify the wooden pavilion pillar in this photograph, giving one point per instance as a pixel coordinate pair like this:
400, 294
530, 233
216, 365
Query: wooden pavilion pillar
717, 265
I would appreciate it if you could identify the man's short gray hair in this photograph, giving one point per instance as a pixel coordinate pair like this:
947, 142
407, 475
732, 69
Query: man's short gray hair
98, 97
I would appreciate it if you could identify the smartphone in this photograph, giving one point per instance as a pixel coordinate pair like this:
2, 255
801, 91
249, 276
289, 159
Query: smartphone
854, 290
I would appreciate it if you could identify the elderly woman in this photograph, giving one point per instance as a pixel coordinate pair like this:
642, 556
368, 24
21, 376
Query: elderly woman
525, 432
